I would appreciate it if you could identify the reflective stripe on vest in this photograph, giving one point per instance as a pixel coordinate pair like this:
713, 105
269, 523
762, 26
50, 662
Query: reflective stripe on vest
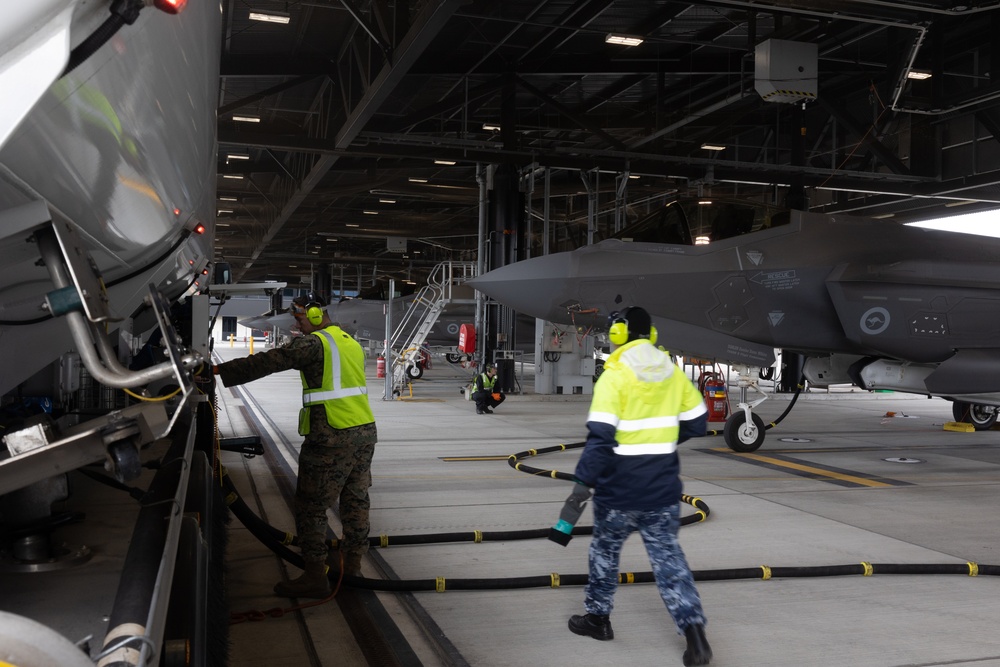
345, 406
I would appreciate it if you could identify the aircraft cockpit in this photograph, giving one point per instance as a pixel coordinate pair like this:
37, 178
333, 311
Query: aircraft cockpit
702, 221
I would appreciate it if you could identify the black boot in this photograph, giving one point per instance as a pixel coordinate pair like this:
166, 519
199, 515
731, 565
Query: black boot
698, 651
592, 625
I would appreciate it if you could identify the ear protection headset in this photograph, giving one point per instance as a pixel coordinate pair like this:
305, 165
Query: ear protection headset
618, 329
313, 309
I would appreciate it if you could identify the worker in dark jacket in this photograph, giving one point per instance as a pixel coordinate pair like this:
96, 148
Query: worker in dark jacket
340, 435
643, 407
484, 392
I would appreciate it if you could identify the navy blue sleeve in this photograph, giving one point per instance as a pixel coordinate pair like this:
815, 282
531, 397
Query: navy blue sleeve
598, 453
693, 428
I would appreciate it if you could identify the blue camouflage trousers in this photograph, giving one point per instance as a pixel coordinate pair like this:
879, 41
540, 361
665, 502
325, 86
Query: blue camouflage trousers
658, 529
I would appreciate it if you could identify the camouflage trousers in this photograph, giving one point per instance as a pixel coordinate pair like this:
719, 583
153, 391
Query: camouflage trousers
334, 464
658, 529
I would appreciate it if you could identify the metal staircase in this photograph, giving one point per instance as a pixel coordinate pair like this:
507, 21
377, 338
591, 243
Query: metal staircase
422, 315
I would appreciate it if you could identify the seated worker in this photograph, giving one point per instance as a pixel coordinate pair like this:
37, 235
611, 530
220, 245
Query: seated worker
483, 393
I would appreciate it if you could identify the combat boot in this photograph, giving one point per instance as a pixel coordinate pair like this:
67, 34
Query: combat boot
312, 584
592, 625
352, 564
698, 651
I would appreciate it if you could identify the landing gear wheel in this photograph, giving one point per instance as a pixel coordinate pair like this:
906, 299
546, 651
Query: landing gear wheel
414, 372
452, 358
598, 369
741, 436
983, 417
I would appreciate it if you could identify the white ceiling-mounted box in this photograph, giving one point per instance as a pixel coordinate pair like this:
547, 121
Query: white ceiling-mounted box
786, 71
396, 244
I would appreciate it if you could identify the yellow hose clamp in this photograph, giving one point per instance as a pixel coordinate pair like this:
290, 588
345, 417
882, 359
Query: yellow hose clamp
553, 474
626, 578
439, 584
532, 452
383, 540
702, 514
869, 570
555, 580
766, 572
231, 498
562, 446
973, 569
287, 539
477, 536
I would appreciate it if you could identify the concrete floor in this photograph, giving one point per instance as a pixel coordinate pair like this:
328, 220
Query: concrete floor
838, 482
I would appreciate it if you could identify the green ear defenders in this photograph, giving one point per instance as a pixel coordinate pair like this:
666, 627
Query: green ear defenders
618, 329
313, 309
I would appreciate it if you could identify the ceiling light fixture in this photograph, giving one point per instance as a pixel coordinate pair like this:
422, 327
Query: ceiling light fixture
228, 199
370, 212
237, 156
246, 119
961, 202
224, 210
883, 216
633, 176
624, 40
702, 240
352, 225
713, 147
918, 75
704, 202
235, 177
445, 162
490, 127
412, 179
387, 201
270, 17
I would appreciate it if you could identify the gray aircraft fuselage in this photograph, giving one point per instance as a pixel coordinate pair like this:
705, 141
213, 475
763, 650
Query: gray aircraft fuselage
818, 285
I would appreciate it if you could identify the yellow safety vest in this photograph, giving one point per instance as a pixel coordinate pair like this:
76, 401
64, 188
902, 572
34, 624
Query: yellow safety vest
645, 399
344, 392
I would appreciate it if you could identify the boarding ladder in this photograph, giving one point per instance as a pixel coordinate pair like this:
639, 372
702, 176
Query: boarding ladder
421, 316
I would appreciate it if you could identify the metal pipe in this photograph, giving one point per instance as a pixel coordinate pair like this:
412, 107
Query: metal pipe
102, 362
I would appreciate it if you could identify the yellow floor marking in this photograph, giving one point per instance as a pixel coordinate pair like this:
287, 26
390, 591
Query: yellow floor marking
815, 471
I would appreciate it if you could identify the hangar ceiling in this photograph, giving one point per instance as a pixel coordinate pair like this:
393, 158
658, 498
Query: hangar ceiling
367, 119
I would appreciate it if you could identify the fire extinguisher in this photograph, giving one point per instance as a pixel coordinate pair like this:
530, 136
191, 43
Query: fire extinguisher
714, 390
380, 367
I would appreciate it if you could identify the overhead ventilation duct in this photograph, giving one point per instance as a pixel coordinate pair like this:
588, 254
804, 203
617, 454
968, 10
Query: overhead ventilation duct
786, 71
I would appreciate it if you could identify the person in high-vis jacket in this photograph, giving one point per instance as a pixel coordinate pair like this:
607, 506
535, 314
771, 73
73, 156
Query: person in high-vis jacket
484, 391
643, 407
340, 435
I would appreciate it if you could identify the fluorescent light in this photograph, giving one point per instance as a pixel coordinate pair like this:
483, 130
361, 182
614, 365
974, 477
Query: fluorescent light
370, 212
412, 179
387, 201
237, 156
222, 224
490, 127
961, 202
352, 225
246, 119
270, 17
293, 266
702, 240
330, 239
235, 177
883, 216
918, 75
224, 210
624, 40
633, 176
704, 202
713, 147
228, 199
445, 162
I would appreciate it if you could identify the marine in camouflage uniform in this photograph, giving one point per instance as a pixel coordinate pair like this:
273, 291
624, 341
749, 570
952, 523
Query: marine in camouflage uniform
642, 408
333, 462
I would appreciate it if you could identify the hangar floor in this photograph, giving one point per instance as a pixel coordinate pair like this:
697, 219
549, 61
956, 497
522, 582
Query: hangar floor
838, 482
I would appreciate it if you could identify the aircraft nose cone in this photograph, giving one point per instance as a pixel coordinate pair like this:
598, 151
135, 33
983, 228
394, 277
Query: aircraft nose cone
535, 287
